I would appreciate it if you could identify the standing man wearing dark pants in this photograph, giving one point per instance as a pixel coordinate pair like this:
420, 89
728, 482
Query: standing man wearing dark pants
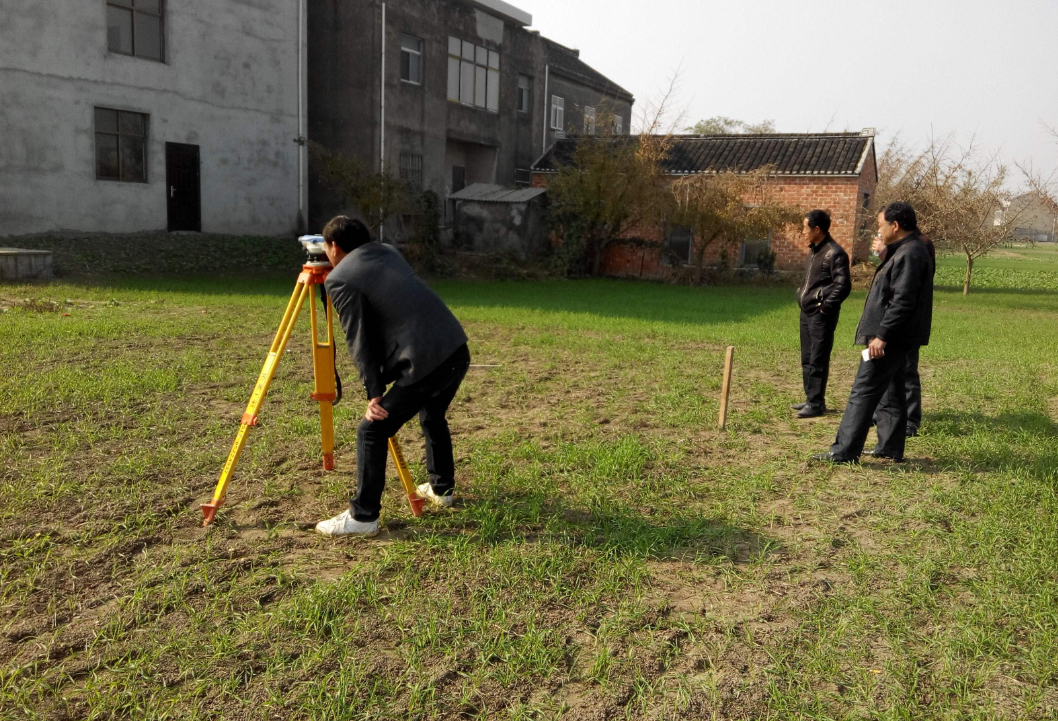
912, 378
897, 318
398, 331
826, 285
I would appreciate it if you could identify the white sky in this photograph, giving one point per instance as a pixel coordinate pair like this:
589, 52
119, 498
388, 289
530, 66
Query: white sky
984, 69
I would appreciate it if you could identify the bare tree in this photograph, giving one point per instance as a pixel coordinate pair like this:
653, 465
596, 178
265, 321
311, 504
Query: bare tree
961, 199
728, 207
377, 196
611, 184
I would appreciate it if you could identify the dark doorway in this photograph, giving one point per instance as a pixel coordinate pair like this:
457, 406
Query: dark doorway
459, 178
183, 187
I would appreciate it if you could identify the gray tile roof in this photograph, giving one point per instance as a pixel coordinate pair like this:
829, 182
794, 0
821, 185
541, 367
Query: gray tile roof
489, 193
567, 62
832, 154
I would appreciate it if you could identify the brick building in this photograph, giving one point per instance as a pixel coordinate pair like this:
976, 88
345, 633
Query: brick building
833, 171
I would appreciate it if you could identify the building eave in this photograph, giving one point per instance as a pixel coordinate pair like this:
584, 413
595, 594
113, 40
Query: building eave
504, 11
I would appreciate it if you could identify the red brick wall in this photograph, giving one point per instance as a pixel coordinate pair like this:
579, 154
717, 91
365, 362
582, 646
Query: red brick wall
841, 197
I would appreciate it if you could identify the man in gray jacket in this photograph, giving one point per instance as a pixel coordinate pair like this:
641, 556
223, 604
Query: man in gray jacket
897, 319
398, 331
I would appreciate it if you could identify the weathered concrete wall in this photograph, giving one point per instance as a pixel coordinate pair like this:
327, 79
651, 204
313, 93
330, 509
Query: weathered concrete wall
345, 72
516, 228
577, 97
20, 264
229, 84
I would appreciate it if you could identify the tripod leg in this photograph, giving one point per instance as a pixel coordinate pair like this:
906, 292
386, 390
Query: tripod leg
405, 478
323, 372
249, 418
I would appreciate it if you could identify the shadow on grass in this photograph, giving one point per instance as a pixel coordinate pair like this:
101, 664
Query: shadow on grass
599, 297
1024, 441
623, 299
612, 528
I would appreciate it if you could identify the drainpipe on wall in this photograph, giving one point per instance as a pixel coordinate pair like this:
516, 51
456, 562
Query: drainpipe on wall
302, 189
382, 124
547, 116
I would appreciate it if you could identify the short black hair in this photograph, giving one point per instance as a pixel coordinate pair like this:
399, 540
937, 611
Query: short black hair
819, 219
347, 233
902, 214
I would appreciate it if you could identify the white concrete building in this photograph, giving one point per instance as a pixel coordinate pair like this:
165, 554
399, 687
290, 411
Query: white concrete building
140, 115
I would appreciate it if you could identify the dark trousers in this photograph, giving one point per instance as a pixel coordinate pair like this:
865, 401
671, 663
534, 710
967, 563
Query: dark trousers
429, 398
817, 341
912, 391
877, 379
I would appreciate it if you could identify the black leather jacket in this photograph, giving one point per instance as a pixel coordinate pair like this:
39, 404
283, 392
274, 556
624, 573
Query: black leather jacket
899, 306
827, 279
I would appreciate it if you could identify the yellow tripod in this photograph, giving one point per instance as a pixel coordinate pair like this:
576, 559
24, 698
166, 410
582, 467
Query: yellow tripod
313, 274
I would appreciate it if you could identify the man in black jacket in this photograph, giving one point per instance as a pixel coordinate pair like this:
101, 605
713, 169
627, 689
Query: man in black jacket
826, 285
398, 331
897, 318
912, 378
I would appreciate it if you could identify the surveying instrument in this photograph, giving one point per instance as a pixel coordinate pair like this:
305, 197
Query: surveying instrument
327, 384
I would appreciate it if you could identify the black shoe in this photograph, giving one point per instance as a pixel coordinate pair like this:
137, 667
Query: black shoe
878, 454
911, 432
797, 406
809, 412
828, 457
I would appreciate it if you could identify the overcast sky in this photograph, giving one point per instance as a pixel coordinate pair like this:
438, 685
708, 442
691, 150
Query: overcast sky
978, 68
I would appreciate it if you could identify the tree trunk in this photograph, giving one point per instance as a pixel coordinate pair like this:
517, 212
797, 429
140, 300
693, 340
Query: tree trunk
969, 271
596, 260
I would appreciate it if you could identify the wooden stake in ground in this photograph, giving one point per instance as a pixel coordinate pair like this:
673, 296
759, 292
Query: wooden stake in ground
725, 389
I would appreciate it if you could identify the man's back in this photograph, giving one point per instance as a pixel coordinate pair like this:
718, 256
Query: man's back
397, 328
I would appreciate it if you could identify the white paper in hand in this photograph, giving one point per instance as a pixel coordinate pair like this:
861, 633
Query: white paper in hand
866, 354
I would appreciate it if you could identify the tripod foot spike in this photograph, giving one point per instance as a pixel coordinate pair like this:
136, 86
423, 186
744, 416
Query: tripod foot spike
328, 461
416, 506
209, 510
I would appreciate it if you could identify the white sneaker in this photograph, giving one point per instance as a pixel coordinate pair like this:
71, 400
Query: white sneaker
345, 525
426, 491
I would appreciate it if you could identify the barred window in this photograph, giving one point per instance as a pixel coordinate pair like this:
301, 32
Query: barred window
411, 169
121, 145
678, 243
473, 75
134, 27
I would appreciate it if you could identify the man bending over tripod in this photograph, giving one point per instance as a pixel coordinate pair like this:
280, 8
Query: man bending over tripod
398, 331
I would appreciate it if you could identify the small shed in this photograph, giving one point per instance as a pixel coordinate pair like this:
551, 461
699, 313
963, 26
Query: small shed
501, 219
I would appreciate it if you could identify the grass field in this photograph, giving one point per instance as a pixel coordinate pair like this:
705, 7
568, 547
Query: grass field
612, 555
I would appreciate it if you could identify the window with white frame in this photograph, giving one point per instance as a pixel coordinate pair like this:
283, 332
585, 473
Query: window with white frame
558, 113
525, 91
618, 125
473, 75
411, 59
589, 120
